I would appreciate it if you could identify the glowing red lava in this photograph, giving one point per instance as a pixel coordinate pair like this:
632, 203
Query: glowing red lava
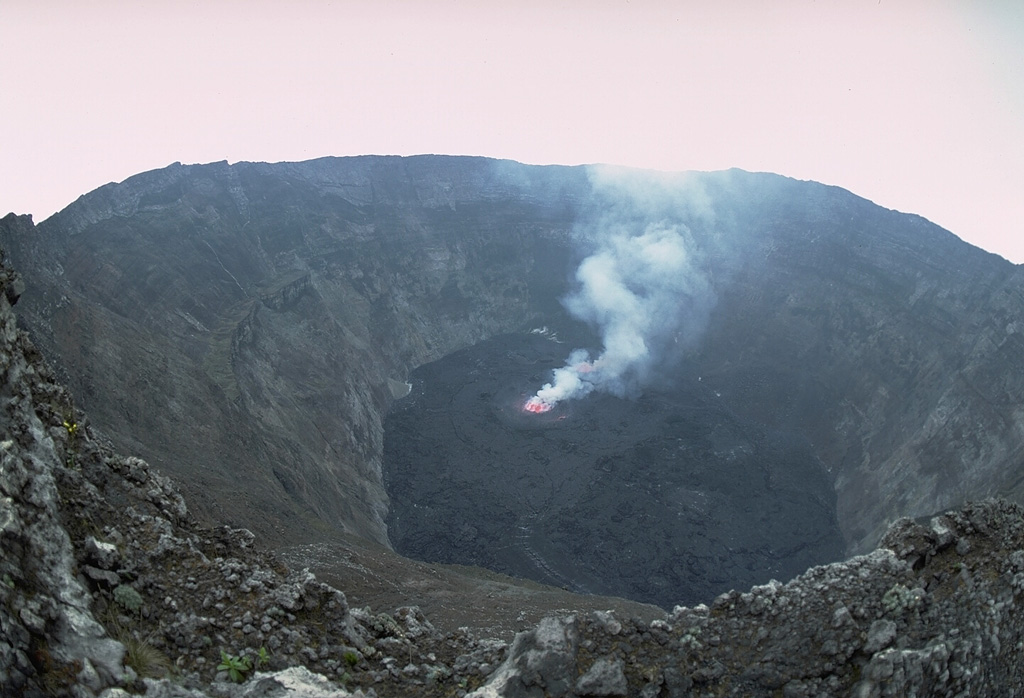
536, 405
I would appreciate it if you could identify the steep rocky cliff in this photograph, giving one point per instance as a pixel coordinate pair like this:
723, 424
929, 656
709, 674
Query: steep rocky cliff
268, 311
894, 345
90, 540
273, 312
108, 584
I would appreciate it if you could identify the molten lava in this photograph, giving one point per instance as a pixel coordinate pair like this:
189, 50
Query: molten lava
536, 405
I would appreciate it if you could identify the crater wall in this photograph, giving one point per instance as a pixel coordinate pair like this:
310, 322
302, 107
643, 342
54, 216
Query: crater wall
239, 326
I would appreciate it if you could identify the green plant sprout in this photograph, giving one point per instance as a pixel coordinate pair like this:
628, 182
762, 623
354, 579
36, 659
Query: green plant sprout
262, 658
237, 667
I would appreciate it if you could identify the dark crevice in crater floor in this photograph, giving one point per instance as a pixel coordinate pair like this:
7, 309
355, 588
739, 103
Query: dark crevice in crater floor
669, 498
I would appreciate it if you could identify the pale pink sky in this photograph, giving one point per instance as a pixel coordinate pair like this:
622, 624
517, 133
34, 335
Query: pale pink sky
917, 105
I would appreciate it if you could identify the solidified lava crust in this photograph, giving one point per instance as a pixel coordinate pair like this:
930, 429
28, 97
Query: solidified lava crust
669, 498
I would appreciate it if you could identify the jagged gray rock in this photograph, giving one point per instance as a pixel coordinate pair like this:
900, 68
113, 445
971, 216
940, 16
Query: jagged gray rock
541, 663
294, 682
915, 618
49, 634
605, 677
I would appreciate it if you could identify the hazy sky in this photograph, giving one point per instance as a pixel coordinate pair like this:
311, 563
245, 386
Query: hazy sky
916, 105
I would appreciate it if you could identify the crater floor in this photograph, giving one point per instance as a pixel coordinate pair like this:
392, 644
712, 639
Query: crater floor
669, 498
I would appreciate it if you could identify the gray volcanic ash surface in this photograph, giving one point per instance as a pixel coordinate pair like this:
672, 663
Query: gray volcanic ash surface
669, 498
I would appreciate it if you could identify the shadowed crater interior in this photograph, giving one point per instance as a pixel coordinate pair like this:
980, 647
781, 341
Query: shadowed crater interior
669, 498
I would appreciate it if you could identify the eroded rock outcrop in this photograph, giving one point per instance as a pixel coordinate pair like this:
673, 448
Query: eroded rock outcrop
49, 636
936, 611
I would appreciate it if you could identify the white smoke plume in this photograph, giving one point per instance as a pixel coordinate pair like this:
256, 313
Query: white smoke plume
641, 288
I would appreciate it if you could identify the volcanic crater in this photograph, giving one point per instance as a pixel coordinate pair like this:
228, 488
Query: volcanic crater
668, 498
856, 364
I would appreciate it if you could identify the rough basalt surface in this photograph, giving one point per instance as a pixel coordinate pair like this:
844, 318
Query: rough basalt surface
669, 498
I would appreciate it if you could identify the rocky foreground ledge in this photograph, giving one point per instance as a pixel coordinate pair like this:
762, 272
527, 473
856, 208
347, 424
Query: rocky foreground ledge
935, 611
108, 587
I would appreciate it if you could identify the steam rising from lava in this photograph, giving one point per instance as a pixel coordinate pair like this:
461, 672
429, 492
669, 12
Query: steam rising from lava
642, 290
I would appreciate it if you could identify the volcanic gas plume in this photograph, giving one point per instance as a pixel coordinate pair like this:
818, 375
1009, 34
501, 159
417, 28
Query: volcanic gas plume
638, 290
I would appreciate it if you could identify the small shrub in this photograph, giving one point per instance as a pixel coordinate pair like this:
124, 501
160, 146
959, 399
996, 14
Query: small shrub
127, 598
72, 427
147, 661
899, 599
351, 658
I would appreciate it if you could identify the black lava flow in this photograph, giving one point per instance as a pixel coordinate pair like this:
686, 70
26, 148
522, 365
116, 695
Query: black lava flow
668, 498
